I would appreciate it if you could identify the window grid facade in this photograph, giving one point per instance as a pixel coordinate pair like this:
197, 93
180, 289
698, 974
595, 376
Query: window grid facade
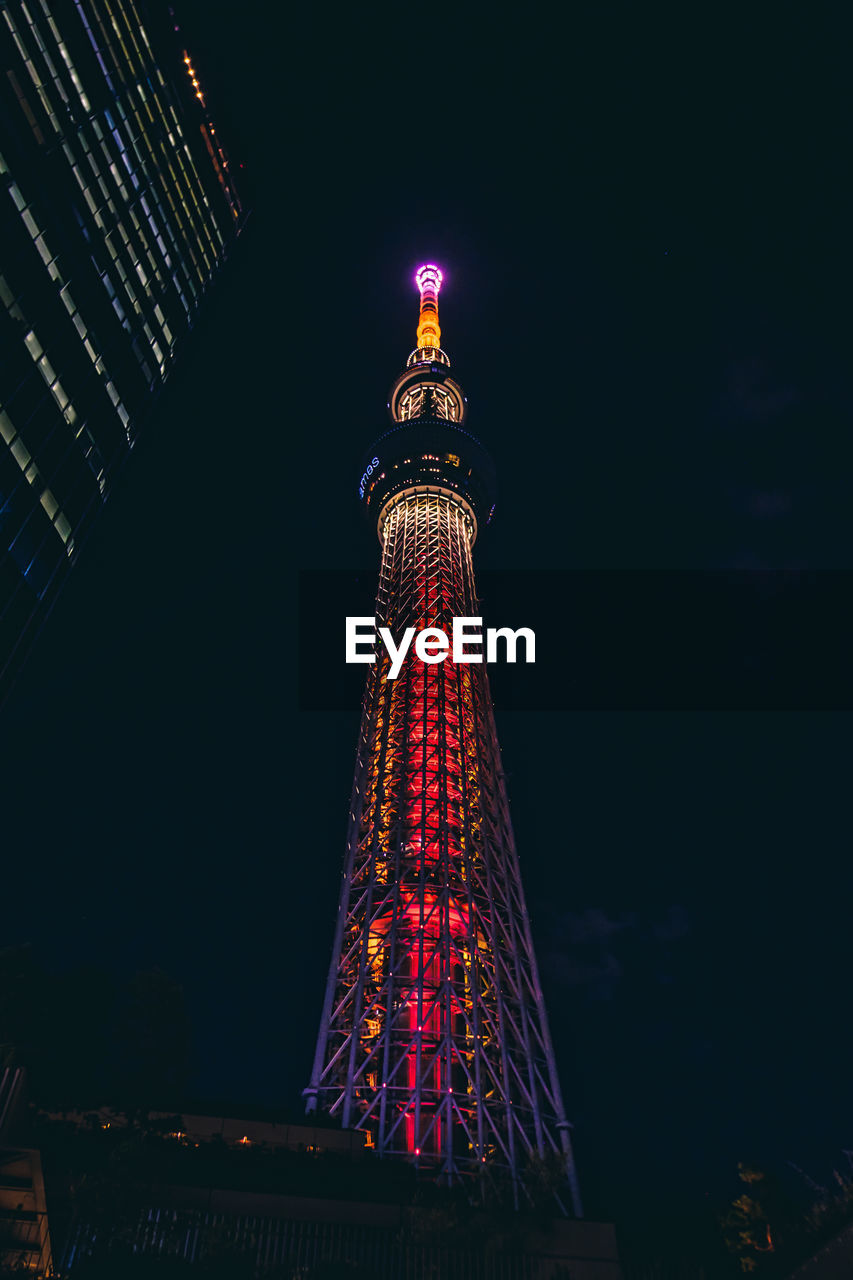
117, 210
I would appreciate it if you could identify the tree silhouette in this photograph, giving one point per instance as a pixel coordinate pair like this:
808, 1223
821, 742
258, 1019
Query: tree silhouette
762, 1222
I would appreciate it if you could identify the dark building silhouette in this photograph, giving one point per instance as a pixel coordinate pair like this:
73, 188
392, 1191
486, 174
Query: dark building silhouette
117, 210
25, 1241
238, 1196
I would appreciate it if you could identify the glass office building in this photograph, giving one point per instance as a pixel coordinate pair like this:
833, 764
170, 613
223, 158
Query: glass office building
117, 210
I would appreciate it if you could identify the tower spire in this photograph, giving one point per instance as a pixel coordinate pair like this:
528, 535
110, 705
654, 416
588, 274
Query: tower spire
428, 280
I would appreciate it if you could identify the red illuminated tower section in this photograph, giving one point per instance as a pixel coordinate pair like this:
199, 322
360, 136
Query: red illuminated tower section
434, 1038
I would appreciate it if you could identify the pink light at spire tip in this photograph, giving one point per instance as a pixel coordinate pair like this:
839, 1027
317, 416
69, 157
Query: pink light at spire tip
428, 278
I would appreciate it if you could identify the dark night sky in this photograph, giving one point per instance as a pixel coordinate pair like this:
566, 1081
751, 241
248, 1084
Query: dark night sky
644, 221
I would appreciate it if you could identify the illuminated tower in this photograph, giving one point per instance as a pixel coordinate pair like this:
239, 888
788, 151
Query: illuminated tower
434, 1038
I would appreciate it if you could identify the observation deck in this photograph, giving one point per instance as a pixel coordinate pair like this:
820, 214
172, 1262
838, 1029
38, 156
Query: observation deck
428, 448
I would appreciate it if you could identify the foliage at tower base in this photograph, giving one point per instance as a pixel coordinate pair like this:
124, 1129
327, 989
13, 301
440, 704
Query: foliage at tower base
768, 1233
748, 1230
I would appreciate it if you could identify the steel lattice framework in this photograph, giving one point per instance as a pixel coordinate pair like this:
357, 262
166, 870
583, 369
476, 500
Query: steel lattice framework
434, 1037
